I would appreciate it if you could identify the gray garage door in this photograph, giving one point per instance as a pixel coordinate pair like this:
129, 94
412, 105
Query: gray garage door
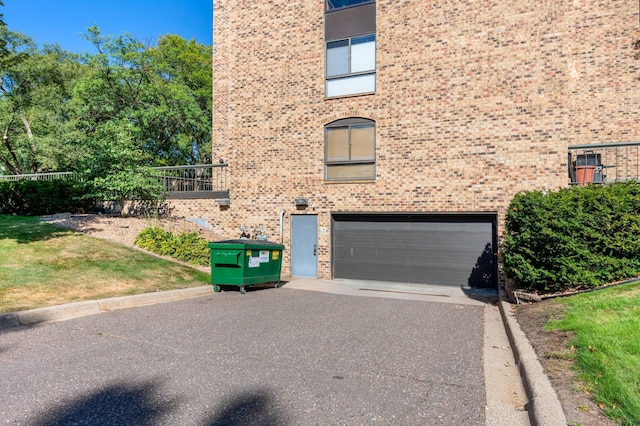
431, 249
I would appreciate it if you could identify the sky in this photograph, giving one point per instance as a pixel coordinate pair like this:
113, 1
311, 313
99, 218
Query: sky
64, 21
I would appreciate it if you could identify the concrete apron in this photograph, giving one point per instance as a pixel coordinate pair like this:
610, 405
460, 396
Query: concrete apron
504, 390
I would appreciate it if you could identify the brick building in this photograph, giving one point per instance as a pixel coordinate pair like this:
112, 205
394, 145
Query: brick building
384, 139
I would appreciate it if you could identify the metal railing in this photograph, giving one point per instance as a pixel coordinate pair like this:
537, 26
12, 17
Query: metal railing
197, 181
604, 163
38, 176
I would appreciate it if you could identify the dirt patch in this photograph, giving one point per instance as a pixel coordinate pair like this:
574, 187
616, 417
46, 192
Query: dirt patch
556, 356
123, 230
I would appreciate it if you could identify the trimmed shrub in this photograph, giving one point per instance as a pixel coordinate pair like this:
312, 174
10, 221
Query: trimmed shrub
34, 198
186, 246
191, 248
155, 239
581, 237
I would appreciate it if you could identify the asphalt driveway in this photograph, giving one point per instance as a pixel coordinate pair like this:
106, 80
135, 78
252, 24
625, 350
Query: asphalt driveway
270, 357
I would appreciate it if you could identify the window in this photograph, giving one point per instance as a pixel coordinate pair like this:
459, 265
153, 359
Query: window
351, 66
350, 37
350, 149
337, 4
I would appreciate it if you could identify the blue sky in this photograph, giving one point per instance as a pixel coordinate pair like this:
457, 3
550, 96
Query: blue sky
63, 21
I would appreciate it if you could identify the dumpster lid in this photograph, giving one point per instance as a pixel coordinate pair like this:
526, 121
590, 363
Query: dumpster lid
252, 243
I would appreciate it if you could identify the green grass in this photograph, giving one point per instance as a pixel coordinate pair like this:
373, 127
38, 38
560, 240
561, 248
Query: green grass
42, 265
607, 343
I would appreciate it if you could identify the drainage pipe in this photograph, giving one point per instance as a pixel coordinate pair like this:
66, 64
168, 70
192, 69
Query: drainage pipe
281, 226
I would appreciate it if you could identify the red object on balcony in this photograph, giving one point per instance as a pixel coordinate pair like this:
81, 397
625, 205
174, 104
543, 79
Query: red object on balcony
585, 174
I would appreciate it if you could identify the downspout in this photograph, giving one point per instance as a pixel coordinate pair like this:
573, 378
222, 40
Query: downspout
281, 226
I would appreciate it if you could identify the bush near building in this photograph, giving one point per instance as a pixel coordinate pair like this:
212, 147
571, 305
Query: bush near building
186, 246
39, 197
580, 237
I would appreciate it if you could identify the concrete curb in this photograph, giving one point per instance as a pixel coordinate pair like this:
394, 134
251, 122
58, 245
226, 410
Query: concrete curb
544, 406
92, 307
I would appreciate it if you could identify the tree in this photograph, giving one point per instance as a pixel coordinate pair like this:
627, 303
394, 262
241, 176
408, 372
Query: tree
155, 96
110, 116
2, 24
139, 107
6, 57
35, 85
118, 171
189, 63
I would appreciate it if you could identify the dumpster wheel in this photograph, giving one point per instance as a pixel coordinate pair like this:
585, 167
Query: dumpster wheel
277, 284
216, 288
242, 290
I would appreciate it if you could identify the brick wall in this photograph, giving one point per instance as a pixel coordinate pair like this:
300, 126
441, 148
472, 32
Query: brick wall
475, 101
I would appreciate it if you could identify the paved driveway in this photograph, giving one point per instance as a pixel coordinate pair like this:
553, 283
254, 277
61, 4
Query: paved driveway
270, 357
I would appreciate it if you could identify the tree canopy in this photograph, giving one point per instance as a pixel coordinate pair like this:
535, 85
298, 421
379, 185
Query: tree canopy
36, 123
62, 112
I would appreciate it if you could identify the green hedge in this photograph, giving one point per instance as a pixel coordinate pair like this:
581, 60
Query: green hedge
34, 198
576, 237
186, 246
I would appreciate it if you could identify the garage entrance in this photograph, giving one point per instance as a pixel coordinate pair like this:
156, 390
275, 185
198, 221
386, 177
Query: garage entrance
452, 249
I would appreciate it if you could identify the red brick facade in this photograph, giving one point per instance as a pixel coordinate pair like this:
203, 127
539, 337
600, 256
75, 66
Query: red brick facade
474, 102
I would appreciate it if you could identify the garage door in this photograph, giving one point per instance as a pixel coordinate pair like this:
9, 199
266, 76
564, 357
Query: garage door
450, 250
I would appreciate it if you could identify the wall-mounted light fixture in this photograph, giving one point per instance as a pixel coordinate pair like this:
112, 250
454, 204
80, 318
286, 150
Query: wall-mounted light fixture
223, 202
302, 202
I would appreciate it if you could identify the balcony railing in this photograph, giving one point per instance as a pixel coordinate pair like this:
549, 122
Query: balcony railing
198, 181
604, 163
38, 176
180, 182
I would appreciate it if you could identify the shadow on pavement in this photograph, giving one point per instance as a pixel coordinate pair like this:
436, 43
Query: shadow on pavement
253, 287
248, 408
120, 404
485, 295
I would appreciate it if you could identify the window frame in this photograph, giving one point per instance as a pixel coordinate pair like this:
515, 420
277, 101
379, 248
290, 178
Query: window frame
350, 124
350, 74
327, 4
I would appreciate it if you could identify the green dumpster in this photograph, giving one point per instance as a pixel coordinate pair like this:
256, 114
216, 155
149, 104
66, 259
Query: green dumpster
245, 263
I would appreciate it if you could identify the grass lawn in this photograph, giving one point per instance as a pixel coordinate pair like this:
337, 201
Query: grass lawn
43, 265
606, 324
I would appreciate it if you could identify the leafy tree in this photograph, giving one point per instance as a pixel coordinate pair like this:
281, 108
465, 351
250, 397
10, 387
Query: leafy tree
36, 127
111, 115
138, 85
3, 44
189, 63
2, 24
118, 171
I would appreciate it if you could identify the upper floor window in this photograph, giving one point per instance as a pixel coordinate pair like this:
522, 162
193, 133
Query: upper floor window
351, 66
350, 149
350, 36
337, 4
